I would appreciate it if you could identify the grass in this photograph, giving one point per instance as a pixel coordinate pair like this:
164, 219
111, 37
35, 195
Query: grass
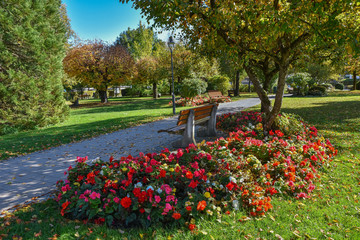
89, 120
333, 213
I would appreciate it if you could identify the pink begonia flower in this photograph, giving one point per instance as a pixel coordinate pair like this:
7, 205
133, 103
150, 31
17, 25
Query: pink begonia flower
179, 153
148, 169
311, 187
302, 195
70, 168
291, 183
67, 181
195, 165
149, 218
87, 192
94, 195
157, 198
116, 199
167, 188
65, 173
113, 191
65, 188
169, 198
153, 162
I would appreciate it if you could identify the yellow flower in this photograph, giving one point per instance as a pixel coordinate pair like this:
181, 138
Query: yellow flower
77, 184
174, 190
171, 170
209, 174
124, 169
207, 195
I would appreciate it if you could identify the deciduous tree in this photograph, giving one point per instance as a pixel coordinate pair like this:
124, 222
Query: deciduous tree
265, 35
99, 65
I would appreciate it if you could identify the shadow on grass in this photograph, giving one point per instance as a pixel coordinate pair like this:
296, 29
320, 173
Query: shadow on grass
325, 114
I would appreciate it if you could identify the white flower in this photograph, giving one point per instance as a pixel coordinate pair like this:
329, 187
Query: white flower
221, 186
103, 166
149, 187
101, 172
208, 182
138, 185
232, 179
236, 204
159, 190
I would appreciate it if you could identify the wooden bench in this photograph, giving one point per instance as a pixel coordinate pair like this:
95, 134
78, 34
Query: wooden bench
191, 117
214, 95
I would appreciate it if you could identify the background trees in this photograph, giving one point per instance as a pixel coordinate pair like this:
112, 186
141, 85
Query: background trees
99, 65
264, 35
32, 38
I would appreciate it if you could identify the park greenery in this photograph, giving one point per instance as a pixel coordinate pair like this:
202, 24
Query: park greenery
266, 36
32, 47
274, 172
330, 212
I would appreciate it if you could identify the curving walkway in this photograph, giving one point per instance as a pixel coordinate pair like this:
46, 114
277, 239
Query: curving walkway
35, 174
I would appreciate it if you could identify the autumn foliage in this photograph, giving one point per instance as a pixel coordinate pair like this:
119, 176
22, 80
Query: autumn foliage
99, 65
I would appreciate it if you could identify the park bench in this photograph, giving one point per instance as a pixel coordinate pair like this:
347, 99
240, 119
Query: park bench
191, 117
215, 95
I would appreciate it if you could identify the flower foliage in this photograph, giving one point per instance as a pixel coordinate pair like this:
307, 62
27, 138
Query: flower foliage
242, 171
199, 100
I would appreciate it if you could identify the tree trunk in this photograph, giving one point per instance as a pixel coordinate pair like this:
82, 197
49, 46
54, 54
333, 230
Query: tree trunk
103, 96
155, 91
354, 80
76, 102
265, 101
237, 84
278, 97
270, 112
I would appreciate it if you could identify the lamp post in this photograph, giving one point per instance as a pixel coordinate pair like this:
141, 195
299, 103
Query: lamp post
171, 45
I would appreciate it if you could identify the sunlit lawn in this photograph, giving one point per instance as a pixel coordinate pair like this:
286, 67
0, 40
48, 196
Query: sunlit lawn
88, 120
333, 213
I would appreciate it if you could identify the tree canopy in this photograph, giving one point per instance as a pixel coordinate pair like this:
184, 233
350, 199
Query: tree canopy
32, 40
265, 35
99, 65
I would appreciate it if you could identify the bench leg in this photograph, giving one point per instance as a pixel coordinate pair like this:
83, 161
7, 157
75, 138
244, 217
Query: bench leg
189, 132
211, 126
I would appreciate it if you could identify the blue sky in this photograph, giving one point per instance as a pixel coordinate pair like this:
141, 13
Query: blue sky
102, 19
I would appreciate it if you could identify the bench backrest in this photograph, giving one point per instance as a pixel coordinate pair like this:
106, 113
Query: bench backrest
199, 112
213, 93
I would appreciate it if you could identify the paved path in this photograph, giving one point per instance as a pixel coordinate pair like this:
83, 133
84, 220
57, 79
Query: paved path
35, 174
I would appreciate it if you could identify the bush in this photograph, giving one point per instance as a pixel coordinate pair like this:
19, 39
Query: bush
245, 88
339, 86
192, 87
300, 82
219, 83
317, 90
136, 90
243, 171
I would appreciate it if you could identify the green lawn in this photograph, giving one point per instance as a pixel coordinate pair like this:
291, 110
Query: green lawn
89, 120
333, 213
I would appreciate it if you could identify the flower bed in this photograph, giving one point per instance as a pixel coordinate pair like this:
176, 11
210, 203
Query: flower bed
198, 100
242, 171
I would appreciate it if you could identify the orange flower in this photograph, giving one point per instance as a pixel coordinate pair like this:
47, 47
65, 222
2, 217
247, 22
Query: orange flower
189, 175
201, 205
276, 163
176, 216
192, 227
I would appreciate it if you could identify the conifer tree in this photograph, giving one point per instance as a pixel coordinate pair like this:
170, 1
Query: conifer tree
32, 40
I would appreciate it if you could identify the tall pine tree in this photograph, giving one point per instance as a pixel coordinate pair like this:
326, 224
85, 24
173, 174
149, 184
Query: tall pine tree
32, 40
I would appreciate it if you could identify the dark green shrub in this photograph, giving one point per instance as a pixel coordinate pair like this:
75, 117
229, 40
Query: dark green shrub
192, 87
219, 83
300, 82
245, 88
339, 86
317, 91
32, 47
289, 124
